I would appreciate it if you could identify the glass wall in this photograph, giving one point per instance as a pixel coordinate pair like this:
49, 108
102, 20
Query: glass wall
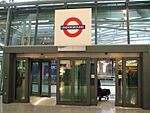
111, 26
139, 26
110, 18
45, 34
23, 29
3, 18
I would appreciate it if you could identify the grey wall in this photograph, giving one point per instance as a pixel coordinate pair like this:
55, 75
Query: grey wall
146, 81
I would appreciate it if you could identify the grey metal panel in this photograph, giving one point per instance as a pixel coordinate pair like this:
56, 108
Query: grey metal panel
118, 48
98, 48
30, 49
146, 79
8, 87
6, 78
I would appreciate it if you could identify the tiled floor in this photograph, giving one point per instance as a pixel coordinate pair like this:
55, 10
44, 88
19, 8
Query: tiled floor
103, 107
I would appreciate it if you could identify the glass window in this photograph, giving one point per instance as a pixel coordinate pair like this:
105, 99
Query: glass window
23, 29
45, 34
111, 27
139, 26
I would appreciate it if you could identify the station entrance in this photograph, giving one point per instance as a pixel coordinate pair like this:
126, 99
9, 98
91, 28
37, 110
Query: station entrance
73, 80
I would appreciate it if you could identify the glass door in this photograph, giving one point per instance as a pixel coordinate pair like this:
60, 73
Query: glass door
65, 81
21, 81
35, 78
119, 82
43, 77
73, 79
80, 85
53, 77
127, 85
130, 81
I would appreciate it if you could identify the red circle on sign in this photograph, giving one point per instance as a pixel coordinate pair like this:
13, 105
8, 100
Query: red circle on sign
72, 35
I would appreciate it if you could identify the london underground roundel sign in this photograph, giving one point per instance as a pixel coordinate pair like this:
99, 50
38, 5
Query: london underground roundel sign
66, 27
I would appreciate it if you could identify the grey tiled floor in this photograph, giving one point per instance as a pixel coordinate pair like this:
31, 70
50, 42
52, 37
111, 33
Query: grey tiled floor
103, 107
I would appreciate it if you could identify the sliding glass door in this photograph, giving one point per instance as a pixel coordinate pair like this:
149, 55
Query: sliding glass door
128, 82
43, 77
73, 79
21, 81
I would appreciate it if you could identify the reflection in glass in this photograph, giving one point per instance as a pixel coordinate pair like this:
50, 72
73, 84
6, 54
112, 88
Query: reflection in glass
45, 78
35, 75
20, 80
80, 86
65, 80
131, 82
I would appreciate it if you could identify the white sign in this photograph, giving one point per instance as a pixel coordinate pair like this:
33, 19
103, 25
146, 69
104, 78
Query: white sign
73, 27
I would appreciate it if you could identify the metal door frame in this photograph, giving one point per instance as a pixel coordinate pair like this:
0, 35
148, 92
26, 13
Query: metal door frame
93, 90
